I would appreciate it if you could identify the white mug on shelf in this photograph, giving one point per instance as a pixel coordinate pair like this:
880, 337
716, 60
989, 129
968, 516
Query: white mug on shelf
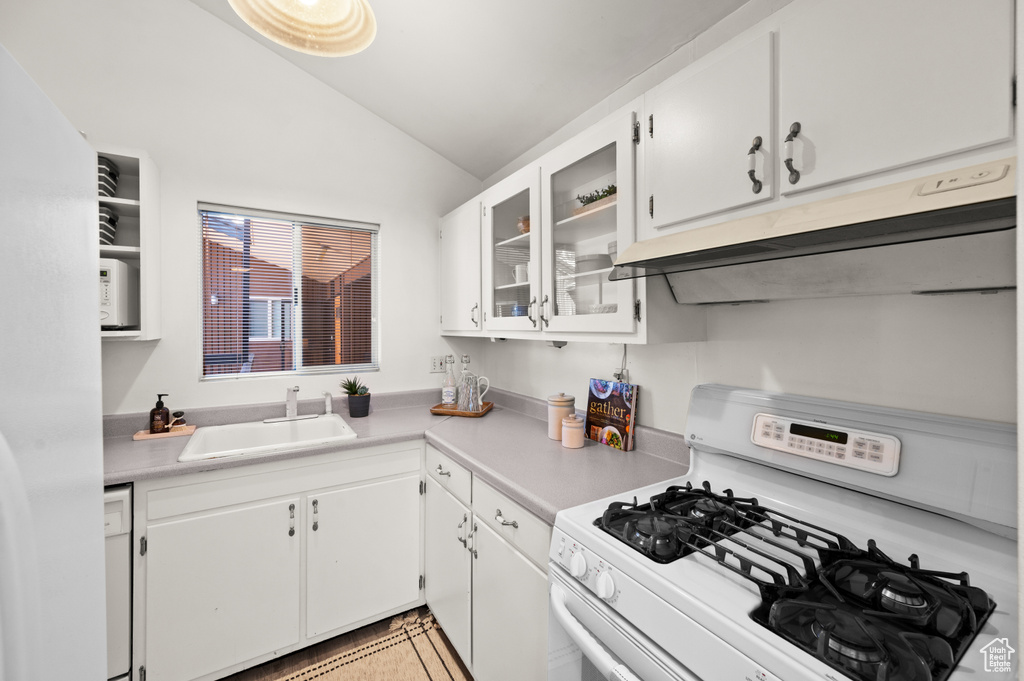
521, 273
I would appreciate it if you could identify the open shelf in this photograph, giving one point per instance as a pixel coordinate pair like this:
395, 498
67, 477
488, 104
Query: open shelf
120, 252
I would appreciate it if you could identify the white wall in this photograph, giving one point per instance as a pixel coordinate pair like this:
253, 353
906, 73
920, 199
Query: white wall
227, 121
943, 354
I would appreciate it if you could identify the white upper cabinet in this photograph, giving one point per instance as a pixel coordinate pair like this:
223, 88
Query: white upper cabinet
707, 127
511, 261
460, 269
876, 85
588, 200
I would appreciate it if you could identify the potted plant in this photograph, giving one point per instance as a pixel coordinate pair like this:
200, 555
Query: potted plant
595, 199
358, 397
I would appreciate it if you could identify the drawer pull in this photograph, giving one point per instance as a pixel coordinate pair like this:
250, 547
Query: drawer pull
461, 538
316, 520
505, 523
291, 521
469, 537
441, 471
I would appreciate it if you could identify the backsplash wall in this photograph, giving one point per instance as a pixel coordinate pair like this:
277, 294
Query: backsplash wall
943, 354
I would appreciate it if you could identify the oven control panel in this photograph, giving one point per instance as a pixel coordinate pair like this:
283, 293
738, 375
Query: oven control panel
859, 449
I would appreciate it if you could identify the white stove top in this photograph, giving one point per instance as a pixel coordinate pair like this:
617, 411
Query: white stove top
698, 611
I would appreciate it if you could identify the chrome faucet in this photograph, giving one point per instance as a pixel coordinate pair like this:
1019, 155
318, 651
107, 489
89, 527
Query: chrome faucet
291, 407
328, 403
291, 402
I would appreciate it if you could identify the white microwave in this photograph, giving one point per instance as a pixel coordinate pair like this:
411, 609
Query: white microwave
119, 294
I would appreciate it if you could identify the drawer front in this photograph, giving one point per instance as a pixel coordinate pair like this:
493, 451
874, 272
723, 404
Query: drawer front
531, 535
449, 474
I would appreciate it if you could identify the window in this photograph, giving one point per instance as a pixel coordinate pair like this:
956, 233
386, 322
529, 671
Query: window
286, 293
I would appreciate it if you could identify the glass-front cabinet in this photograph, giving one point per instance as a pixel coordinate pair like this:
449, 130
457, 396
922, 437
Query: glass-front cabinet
588, 199
511, 259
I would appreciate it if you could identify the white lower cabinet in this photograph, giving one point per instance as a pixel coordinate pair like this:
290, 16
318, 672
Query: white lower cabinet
366, 538
447, 565
236, 566
485, 581
510, 605
221, 587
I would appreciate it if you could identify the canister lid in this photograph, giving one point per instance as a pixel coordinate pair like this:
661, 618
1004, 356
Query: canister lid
573, 421
561, 400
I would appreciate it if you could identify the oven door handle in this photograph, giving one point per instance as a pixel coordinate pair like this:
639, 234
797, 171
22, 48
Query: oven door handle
591, 647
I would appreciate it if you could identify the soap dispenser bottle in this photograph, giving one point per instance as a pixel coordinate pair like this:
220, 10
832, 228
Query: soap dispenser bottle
159, 416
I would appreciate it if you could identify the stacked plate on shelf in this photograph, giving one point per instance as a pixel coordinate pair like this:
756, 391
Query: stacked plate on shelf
108, 174
108, 226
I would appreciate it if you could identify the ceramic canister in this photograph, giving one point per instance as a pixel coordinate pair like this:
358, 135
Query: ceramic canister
559, 406
572, 432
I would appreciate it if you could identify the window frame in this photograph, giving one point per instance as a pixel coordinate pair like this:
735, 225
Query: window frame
296, 336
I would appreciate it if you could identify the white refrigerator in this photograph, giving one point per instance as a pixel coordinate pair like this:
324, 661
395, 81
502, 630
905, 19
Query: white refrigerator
52, 619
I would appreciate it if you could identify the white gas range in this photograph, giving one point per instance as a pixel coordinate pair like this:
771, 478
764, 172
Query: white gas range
811, 539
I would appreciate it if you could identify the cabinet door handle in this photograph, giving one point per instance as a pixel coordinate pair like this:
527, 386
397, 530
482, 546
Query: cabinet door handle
529, 312
469, 538
505, 523
316, 520
543, 307
752, 165
291, 521
465, 519
794, 174
472, 314
441, 471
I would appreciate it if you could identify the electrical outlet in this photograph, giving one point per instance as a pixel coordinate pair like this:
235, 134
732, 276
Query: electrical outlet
437, 364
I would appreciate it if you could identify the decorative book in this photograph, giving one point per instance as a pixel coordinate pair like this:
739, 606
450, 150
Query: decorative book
611, 409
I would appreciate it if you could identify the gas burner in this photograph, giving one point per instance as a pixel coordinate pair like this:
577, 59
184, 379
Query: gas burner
676, 522
900, 594
847, 636
711, 508
654, 534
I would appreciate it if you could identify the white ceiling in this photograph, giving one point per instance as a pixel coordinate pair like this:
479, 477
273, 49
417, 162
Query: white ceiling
482, 81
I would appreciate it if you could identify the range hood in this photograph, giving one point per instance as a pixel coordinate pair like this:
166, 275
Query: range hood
945, 233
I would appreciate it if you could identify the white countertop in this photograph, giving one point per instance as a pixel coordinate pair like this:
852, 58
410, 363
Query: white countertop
507, 449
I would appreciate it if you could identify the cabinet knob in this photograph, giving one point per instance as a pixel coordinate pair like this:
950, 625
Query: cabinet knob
441, 471
752, 165
794, 174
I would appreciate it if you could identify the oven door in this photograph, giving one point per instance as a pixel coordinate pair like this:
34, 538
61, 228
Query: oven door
588, 641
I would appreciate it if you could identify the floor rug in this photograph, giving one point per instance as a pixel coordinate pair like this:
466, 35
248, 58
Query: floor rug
411, 648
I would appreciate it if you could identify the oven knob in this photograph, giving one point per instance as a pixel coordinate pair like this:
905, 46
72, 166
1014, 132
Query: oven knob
578, 565
605, 586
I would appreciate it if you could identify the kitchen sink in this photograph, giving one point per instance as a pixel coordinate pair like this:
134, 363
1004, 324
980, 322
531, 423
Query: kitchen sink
245, 439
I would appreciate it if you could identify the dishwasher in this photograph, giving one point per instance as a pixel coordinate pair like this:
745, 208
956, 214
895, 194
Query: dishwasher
117, 529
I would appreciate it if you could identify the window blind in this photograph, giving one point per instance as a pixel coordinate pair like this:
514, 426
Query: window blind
283, 293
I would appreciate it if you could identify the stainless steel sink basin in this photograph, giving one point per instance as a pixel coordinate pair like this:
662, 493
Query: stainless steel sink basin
244, 439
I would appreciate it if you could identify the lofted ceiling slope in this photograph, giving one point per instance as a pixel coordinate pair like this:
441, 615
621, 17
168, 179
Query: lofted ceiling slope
481, 82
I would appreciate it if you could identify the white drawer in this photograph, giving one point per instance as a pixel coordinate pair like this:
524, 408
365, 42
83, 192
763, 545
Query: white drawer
449, 474
530, 534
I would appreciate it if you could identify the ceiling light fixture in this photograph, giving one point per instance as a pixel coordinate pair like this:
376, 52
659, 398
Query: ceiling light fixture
324, 28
